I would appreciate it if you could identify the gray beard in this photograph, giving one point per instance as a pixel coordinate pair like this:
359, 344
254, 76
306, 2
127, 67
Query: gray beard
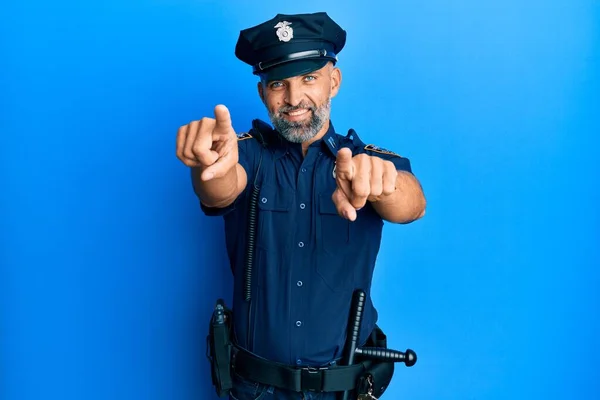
301, 131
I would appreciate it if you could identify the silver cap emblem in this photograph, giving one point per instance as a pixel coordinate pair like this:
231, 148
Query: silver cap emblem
284, 31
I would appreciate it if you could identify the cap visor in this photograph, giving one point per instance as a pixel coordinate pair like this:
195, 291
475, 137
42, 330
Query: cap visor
293, 68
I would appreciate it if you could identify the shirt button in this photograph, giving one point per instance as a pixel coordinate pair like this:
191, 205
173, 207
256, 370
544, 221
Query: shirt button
320, 153
303, 169
299, 283
264, 199
298, 361
298, 323
302, 206
301, 244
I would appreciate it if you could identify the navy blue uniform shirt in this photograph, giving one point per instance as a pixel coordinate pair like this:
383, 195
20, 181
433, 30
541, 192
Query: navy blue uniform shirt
308, 260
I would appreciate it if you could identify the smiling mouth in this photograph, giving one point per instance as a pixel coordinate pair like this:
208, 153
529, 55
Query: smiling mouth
297, 113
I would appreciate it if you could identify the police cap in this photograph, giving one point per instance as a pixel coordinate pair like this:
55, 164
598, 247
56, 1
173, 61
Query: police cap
290, 45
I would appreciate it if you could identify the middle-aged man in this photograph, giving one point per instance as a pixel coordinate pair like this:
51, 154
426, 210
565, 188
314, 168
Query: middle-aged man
321, 201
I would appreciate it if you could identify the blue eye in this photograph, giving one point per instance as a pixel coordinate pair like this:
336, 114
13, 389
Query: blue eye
275, 84
310, 77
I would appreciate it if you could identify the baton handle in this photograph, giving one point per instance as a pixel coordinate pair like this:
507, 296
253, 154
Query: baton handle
380, 353
352, 336
354, 324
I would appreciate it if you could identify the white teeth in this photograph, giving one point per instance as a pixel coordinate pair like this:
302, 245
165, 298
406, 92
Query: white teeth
297, 112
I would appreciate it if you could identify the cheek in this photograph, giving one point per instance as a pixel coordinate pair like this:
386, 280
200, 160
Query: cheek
272, 103
320, 95
274, 107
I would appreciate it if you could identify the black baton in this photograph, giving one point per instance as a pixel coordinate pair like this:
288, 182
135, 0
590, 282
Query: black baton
354, 323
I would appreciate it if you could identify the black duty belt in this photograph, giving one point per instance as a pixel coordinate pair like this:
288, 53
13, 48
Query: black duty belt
321, 379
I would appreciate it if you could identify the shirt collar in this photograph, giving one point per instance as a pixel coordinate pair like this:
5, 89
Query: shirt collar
330, 141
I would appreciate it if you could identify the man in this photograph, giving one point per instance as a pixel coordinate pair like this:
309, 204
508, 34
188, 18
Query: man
322, 199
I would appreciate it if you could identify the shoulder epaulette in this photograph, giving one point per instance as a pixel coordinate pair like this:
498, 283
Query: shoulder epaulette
376, 149
244, 136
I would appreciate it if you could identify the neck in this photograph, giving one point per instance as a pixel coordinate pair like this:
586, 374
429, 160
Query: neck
318, 136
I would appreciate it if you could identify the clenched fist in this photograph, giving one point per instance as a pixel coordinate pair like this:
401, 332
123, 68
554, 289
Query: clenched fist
210, 144
360, 179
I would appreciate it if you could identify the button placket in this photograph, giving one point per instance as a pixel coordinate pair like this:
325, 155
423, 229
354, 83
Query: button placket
302, 238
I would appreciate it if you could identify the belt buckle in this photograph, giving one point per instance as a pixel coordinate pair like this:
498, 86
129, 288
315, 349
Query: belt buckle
312, 378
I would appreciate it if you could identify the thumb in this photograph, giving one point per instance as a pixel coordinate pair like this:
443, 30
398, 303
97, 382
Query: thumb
223, 118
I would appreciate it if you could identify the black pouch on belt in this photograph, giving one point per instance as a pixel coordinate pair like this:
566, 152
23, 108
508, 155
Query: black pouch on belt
378, 374
219, 347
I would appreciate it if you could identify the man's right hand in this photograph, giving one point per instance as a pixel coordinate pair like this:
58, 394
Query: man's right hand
210, 144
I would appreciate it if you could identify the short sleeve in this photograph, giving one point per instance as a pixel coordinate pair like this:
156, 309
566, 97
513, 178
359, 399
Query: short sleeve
248, 150
217, 212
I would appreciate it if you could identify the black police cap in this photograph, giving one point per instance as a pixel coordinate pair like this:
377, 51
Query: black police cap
290, 45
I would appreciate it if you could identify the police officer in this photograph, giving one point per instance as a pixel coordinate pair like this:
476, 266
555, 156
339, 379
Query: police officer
322, 199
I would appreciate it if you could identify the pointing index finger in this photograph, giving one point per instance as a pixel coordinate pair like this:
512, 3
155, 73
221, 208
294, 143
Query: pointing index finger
344, 167
222, 117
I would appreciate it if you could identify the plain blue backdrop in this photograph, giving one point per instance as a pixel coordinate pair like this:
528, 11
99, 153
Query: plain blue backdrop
110, 271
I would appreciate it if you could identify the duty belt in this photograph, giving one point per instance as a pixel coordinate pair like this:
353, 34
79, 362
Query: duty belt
323, 379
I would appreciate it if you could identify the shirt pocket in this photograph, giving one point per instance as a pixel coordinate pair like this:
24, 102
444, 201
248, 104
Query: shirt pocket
272, 198
273, 221
274, 206
333, 239
334, 231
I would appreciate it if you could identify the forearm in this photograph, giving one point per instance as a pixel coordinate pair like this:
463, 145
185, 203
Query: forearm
406, 204
219, 192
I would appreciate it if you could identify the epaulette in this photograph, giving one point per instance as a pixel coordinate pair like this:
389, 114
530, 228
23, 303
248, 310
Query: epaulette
352, 135
244, 136
376, 149
264, 133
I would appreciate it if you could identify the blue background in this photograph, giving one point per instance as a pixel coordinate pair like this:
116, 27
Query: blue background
110, 271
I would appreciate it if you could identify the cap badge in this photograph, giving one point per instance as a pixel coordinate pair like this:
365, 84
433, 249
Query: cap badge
284, 32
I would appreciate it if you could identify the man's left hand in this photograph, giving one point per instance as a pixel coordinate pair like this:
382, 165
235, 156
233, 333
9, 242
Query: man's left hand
360, 179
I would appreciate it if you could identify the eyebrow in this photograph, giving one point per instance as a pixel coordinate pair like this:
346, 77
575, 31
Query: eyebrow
317, 72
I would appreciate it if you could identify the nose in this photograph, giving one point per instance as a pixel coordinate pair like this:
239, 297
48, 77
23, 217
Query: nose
294, 94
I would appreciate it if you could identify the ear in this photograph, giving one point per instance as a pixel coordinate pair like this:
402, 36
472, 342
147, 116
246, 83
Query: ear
261, 94
336, 80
